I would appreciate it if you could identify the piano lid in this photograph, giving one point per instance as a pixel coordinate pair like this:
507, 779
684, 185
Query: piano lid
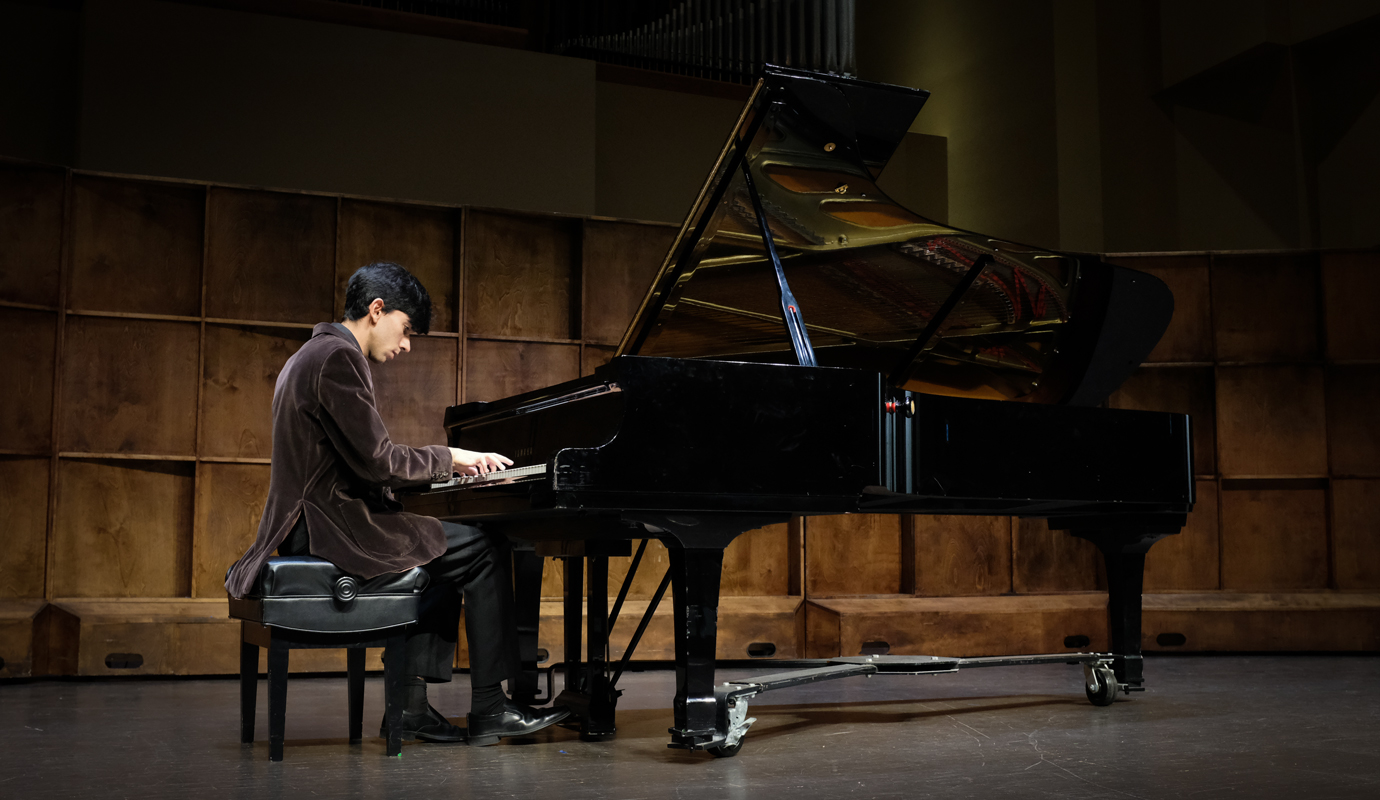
870, 275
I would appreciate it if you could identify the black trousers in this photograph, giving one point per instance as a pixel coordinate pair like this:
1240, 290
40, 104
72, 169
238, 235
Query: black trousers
475, 572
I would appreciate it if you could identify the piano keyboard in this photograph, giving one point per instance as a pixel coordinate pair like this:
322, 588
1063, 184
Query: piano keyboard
510, 475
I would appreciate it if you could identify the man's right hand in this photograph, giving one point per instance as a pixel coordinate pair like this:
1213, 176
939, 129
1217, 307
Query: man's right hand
468, 462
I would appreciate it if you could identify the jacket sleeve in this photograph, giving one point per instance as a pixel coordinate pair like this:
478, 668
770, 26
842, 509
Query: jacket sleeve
352, 423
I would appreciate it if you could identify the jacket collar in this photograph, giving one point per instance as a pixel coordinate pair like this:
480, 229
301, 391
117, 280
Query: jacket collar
338, 330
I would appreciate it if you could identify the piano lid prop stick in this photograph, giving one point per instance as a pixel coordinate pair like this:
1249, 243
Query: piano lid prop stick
790, 309
918, 350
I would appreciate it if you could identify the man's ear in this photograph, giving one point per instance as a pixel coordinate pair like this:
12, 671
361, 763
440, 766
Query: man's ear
376, 310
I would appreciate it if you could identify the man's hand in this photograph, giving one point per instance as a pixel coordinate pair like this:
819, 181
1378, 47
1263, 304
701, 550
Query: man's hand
468, 462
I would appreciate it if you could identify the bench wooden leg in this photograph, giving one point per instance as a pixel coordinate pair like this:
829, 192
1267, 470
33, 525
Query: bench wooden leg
249, 680
393, 688
277, 698
354, 660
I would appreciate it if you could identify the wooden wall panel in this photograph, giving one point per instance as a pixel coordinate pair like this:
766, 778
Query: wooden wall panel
858, 554
129, 386
1189, 336
1183, 391
229, 502
1353, 425
758, 563
620, 261
136, 246
241, 366
1271, 420
418, 237
522, 275
1274, 540
1188, 560
595, 357
1045, 561
24, 520
31, 208
270, 256
501, 369
1356, 534
1351, 293
26, 404
961, 555
123, 529
655, 562
414, 390
1265, 308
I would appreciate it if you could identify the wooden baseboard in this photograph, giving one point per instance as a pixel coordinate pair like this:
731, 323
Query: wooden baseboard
1318, 621
982, 626
744, 623
17, 640
955, 626
160, 636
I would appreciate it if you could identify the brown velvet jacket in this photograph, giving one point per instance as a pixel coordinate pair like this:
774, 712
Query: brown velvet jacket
334, 463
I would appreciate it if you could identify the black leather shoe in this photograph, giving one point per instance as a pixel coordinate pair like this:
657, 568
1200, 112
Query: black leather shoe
428, 727
515, 720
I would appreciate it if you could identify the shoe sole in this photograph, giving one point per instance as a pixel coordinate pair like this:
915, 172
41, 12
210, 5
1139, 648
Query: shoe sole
486, 741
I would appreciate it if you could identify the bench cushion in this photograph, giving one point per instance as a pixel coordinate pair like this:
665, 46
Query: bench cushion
301, 593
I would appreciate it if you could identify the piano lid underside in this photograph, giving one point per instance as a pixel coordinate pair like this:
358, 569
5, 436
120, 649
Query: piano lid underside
868, 273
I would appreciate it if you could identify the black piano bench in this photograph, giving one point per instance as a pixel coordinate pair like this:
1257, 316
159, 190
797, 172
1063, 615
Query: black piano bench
305, 602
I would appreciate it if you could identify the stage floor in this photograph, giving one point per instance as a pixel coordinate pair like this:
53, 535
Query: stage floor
1208, 727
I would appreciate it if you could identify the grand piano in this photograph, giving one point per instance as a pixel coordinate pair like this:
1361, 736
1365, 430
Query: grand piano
810, 346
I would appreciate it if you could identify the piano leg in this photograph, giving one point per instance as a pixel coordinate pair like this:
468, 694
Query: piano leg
527, 571
1124, 554
574, 616
695, 574
597, 724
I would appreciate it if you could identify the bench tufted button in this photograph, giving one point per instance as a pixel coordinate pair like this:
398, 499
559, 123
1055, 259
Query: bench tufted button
346, 588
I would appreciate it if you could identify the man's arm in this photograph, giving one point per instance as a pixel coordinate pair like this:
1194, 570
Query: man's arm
352, 423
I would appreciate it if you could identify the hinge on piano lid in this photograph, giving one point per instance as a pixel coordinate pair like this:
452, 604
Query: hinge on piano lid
790, 309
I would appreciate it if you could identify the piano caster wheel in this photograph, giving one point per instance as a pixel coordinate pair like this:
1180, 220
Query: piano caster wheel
1101, 685
726, 751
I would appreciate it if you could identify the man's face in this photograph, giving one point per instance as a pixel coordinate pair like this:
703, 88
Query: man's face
392, 335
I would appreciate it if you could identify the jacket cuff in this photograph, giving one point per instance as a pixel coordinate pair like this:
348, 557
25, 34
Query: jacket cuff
442, 472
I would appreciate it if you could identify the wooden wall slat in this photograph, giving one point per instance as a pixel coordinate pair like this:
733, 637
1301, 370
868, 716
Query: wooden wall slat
31, 202
757, 564
1182, 391
961, 555
129, 386
620, 261
24, 520
495, 370
414, 390
1189, 560
1271, 420
242, 365
593, 357
420, 238
136, 246
123, 529
1189, 336
1353, 420
1053, 561
270, 256
26, 404
229, 502
520, 275
1355, 534
1265, 308
1351, 293
858, 554
1274, 540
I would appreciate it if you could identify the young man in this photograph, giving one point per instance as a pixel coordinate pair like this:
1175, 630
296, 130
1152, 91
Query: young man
330, 495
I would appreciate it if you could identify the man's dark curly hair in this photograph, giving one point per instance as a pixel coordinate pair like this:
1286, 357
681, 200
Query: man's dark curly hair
398, 289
